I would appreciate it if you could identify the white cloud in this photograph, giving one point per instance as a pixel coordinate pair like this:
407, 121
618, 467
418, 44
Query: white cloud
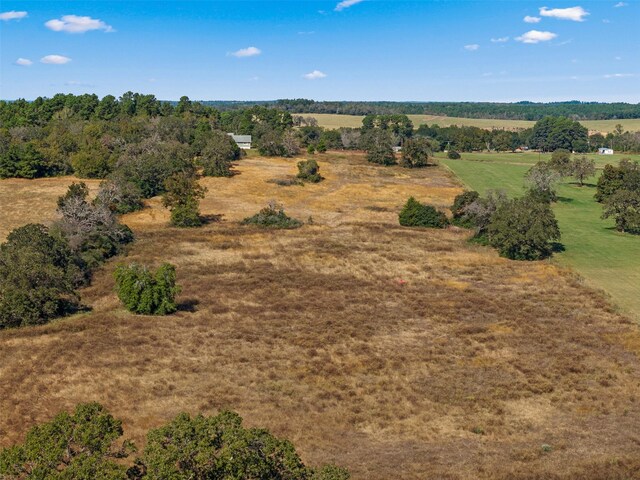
472, 48
247, 52
500, 39
620, 4
55, 59
311, 32
575, 14
617, 58
620, 75
606, 20
536, 36
530, 19
24, 62
12, 15
316, 74
76, 24
346, 4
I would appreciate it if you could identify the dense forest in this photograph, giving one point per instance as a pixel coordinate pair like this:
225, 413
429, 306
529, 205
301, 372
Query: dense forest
507, 111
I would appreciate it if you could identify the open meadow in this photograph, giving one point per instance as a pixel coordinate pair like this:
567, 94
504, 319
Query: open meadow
333, 121
608, 259
395, 352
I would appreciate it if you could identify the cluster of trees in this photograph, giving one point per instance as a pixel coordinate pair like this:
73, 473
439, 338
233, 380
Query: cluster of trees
509, 111
618, 190
85, 444
41, 268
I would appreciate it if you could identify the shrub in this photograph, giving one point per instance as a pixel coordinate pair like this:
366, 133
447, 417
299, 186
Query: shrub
37, 277
311, 149
415, 214
453, 155
76, 446
309, 171
272, 216
182, 192
624, 207
523, 229
145, 293
322, 147
460, 203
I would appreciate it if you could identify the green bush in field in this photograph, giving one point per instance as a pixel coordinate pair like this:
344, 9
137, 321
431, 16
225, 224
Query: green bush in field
181, 197
524, 229
416, 214
147, 293
272, 216
453, 155
309, 171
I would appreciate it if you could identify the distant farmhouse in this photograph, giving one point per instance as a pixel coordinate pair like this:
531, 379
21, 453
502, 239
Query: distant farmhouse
605, 151
243, 141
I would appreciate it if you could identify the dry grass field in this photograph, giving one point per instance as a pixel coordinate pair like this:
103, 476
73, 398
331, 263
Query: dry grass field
333, 121
396, 352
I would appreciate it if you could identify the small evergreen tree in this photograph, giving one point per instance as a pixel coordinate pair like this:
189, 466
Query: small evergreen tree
145, 293
416, 214
182, 192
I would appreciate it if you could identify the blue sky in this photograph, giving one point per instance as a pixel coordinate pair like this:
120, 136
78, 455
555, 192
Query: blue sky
325, 50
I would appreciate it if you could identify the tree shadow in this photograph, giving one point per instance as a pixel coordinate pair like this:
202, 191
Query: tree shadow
585, 184
557, 247
188, 305
211, 218
565, 200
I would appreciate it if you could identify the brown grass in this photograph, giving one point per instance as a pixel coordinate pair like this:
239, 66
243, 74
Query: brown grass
377, 347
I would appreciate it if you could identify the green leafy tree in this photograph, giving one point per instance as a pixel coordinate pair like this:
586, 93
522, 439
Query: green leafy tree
69, 447
379, 147
37, 277
23, 161
552, 133
181, 197
453, 155
147, 293
582, 168
415, 153
416, 214
524, 229
626, 176
217, 154
624, 207
561, 161
309, 171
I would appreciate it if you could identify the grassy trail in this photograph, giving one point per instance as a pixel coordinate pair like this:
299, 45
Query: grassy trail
605, 258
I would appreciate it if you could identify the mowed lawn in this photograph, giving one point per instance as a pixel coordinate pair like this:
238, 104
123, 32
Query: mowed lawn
333, 121
605, 258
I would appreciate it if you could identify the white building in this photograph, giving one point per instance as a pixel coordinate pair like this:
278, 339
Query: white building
243, 141
605, 151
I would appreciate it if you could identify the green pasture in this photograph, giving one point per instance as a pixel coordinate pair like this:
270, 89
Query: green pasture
605, 258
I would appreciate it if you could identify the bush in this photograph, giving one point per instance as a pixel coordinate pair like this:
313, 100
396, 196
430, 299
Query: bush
460, 204
415, 214
272, 216
309, 171
38, 274
77, 446
453, 155
145, 293
523, 229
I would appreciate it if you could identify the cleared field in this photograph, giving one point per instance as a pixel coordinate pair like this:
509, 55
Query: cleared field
355, 121
396, 352
607, 259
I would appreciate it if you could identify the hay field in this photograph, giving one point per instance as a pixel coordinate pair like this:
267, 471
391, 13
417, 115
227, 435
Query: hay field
396, 352
334, 121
